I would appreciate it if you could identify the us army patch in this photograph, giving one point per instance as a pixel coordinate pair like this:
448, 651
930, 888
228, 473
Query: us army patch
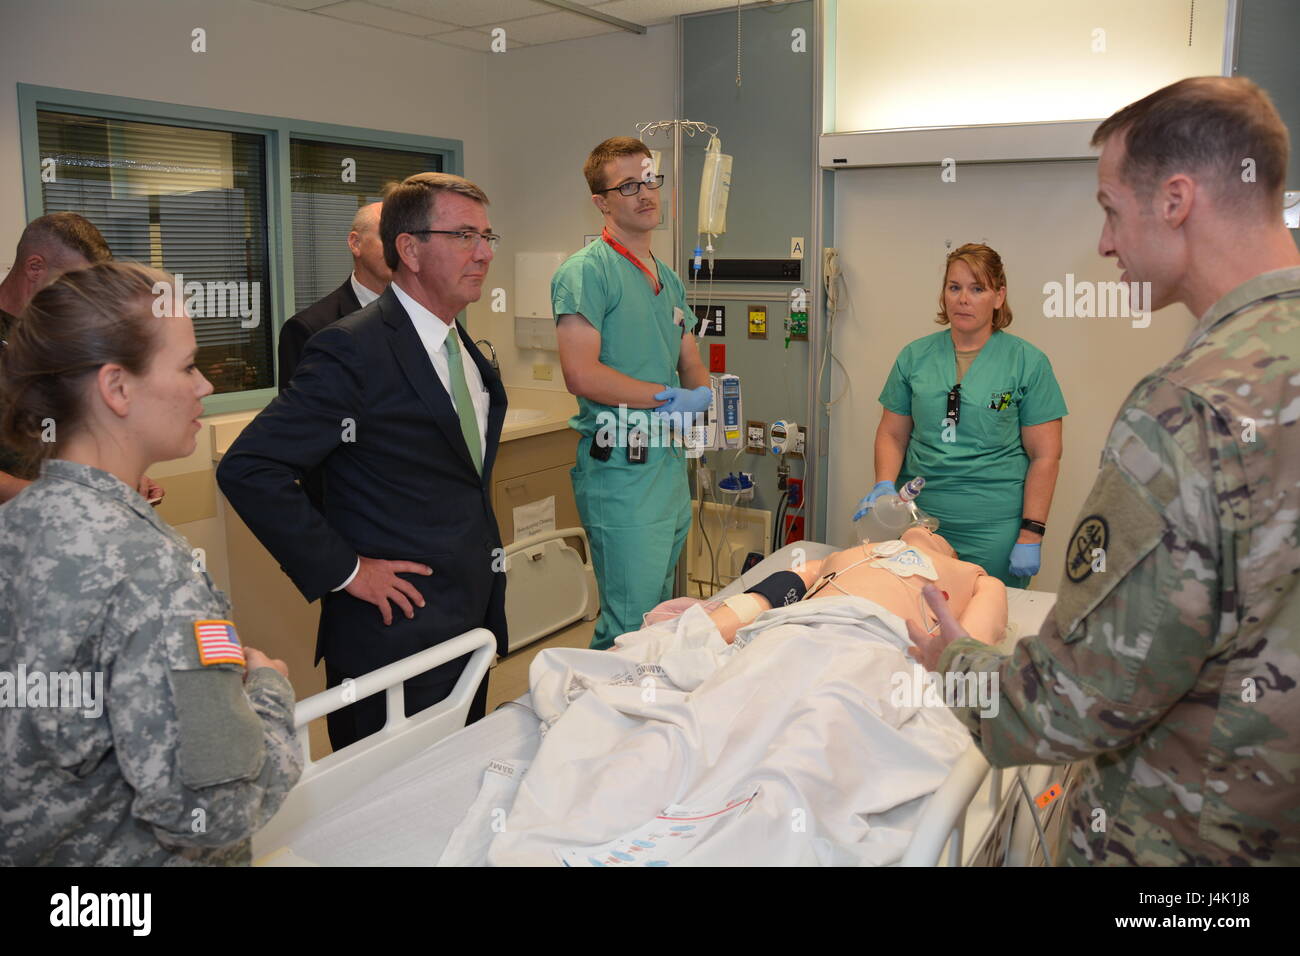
1119, 527
218, 643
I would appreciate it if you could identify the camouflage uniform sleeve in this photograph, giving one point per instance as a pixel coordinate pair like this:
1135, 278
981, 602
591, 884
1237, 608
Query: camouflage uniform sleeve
209, 756
1137, 609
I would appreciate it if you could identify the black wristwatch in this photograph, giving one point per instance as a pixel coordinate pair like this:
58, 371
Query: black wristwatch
1037, 527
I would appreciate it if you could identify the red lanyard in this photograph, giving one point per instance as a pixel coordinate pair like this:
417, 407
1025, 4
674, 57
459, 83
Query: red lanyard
630, 256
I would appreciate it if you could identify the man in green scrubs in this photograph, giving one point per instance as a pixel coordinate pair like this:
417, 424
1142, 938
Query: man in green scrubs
972, 405
628, 352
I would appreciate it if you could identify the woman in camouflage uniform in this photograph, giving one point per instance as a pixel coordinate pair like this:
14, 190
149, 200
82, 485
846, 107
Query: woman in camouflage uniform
134, 727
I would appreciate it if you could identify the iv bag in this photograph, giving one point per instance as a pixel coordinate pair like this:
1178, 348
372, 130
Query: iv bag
714, 187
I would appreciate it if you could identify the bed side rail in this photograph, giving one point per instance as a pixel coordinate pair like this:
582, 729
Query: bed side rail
945, 813
329, 781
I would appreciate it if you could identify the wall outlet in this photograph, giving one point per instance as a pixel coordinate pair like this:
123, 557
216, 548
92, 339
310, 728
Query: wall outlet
713, 320
797, 445
795, 488
756, 437
543, 372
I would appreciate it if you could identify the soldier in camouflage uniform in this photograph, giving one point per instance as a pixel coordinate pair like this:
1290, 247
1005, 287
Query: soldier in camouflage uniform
49, 246
191, 751
1169, 665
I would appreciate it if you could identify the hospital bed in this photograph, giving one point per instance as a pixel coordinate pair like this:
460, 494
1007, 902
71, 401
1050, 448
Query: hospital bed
395, 797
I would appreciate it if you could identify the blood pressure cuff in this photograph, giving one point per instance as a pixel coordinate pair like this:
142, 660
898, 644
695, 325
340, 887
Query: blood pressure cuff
781, 589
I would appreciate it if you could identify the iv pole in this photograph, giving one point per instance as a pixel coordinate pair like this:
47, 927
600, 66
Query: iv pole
673, 129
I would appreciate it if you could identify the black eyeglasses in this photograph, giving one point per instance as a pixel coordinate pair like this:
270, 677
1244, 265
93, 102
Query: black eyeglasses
468, 237
634, 187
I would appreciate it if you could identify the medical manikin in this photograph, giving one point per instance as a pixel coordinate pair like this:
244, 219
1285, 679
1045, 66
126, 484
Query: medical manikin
890, 573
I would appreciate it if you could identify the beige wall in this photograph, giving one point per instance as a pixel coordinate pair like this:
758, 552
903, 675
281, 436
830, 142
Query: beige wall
551, 105
260, 59
527, 118
890, 227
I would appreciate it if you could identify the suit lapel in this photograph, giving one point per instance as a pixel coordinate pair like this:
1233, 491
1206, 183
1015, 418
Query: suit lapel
418, 368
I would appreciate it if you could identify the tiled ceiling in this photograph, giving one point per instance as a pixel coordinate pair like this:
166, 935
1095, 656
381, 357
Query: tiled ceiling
468, 24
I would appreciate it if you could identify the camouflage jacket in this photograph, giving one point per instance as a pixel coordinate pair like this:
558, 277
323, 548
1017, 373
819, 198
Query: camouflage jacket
172, 761
1168, 667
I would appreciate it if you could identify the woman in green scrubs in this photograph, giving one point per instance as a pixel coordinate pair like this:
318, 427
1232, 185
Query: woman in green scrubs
977, 412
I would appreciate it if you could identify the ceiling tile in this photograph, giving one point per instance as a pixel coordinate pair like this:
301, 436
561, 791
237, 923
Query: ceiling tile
470, 13
474, 40
556, 26
357, 11
655, 12
298, 4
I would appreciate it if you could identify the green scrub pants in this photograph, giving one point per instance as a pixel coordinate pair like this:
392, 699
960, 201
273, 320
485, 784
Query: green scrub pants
636, 518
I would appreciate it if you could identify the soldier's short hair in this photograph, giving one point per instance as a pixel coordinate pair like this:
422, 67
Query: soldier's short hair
82, 321
611, 149
59, 237
1225, 129
413, 203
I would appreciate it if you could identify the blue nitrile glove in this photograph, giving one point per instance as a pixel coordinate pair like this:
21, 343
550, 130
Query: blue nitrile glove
882, 488
684, 400
1025, 559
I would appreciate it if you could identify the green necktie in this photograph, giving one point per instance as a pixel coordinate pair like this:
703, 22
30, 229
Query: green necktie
464, 404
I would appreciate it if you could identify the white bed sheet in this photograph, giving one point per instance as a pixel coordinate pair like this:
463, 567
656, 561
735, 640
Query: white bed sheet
406, 817
796, 727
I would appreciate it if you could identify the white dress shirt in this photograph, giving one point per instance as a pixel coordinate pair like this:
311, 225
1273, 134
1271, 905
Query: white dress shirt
364, 295
433, 334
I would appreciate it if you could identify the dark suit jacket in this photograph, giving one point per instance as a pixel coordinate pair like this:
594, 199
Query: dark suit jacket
293, 338
342, 301
368, 408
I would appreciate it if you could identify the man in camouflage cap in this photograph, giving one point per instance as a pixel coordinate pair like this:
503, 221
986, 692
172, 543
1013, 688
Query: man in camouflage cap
1169, 666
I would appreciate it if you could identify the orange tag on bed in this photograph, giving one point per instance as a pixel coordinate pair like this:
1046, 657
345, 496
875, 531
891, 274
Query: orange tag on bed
218, 643
1048, 795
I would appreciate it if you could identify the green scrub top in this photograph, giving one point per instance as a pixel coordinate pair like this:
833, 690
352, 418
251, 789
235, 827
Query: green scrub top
640, 332
1009, 386
974, 471
636, 515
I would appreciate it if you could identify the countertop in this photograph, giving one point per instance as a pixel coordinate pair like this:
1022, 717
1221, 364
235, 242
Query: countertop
556, 409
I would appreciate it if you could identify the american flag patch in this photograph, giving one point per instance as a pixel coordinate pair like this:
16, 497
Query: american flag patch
218, 643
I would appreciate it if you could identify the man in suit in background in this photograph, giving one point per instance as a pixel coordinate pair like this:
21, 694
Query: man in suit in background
370, 277
403, 415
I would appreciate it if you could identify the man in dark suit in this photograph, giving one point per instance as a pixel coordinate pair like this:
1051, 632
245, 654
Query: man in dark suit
403, 415
370, 277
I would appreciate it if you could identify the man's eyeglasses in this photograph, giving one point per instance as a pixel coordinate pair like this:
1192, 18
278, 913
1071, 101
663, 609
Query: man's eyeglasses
467, 238
634, 187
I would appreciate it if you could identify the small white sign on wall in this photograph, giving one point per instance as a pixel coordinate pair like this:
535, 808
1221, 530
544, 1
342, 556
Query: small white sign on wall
535, 517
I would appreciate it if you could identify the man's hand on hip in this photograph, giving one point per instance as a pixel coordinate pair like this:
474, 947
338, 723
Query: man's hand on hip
377, 583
